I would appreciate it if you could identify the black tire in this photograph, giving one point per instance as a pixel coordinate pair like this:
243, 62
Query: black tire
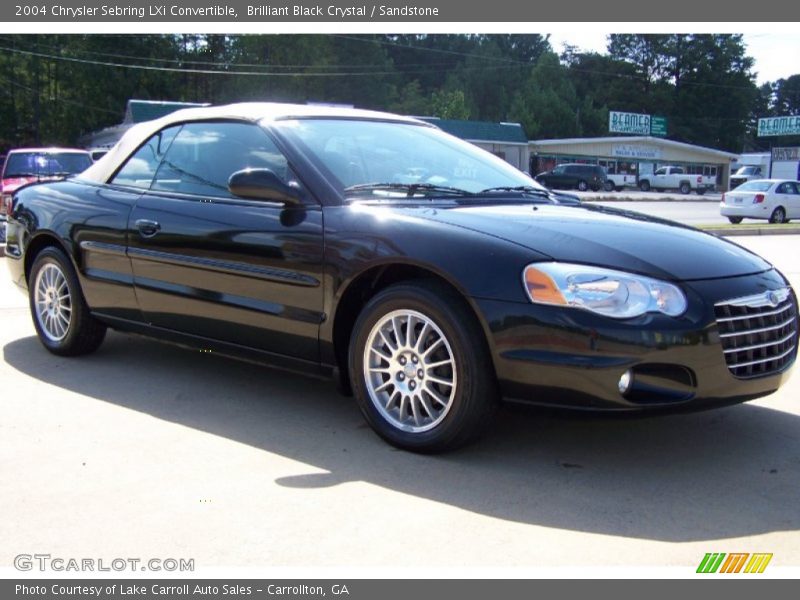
82, 332
778, 215
685, 188
644, 186
608, 186
471, 401
582, 186
735, 220
701, 192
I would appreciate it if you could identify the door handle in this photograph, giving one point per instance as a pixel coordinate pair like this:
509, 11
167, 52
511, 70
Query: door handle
148, 228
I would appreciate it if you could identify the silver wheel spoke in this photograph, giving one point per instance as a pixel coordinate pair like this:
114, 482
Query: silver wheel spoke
385, 357
427, 406
439, 363
439, 380
384, 386
415, 412
421, 338
392, 347
432, 347
435, 395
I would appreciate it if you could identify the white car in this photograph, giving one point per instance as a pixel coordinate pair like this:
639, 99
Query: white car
776, 200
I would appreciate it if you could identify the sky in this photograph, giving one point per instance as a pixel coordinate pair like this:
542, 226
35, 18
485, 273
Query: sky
776, 54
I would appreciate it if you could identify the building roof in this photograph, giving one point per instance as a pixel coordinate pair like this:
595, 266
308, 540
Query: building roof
481, 131
147, 110
656, 141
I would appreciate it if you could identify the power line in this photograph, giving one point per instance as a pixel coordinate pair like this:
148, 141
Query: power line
234, 64
63, 100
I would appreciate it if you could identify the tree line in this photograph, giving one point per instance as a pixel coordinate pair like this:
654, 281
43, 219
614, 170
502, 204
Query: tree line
57, 87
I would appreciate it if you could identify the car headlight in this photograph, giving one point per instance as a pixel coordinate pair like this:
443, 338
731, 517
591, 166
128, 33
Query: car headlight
606, 292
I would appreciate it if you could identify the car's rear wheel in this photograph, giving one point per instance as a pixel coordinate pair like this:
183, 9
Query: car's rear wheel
685, 188
583, 186
608, 186
778, 215
60, 314
420, 369
735, 220
701, 192
644, 186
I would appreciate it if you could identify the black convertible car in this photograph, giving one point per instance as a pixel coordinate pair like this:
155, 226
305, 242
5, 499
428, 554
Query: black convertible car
429, 277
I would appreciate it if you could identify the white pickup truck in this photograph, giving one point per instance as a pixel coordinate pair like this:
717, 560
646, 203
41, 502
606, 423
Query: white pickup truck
617, 181
676, 178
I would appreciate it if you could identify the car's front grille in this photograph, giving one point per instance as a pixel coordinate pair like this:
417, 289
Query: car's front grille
758, 333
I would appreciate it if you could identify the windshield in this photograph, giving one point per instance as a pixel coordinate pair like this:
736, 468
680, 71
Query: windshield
45, 164
748, 171
754, 186
375, 158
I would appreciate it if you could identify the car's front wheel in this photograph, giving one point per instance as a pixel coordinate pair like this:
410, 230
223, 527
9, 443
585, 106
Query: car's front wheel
644, 186
608, 186
735, 220
420, 368
60, 314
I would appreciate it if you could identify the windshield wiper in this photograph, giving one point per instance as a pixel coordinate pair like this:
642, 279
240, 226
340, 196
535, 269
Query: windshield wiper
525, 189
409, 188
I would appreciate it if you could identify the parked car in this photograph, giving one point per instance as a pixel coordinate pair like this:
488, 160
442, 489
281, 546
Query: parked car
676, 178
776, 200
428, 276
26, 165
98, 153
574, 176
619, 181
745, 174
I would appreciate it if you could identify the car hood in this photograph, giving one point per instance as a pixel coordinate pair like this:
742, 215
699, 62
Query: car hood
607, 237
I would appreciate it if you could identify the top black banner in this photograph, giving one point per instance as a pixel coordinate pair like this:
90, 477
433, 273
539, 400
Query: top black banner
390, 11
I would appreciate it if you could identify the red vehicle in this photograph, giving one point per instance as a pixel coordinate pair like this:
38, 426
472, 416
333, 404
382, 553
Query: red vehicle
27, 165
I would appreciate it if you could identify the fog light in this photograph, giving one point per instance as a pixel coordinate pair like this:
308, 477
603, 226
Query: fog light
625, 382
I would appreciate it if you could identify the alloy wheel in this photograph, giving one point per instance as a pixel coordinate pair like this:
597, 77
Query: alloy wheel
53, 302
410, 371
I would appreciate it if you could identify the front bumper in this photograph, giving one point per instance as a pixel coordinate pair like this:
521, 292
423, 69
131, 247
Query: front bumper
573, 358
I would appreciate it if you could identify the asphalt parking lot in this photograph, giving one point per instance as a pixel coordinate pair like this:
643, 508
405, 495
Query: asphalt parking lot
147, 450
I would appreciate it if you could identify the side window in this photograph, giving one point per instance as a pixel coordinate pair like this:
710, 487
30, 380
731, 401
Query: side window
140, 168
558, 171
787, 188
677, 171
661, 172
204, 156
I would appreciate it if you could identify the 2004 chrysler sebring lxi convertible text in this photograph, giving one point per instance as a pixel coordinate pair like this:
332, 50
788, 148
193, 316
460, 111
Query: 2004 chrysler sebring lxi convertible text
430, 277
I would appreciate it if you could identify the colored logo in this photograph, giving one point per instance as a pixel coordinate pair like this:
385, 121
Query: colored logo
735, 562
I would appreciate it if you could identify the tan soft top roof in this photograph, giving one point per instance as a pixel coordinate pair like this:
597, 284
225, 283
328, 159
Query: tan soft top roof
102, 170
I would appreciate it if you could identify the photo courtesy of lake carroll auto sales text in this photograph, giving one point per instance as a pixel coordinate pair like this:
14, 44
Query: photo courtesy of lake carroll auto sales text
387, 301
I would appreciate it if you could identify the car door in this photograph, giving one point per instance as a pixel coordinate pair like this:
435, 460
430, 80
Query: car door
103, 238
659, 178
212, 265
555, 179
789, 198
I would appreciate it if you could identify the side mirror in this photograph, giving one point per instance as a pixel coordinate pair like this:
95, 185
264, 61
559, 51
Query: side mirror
262, 184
